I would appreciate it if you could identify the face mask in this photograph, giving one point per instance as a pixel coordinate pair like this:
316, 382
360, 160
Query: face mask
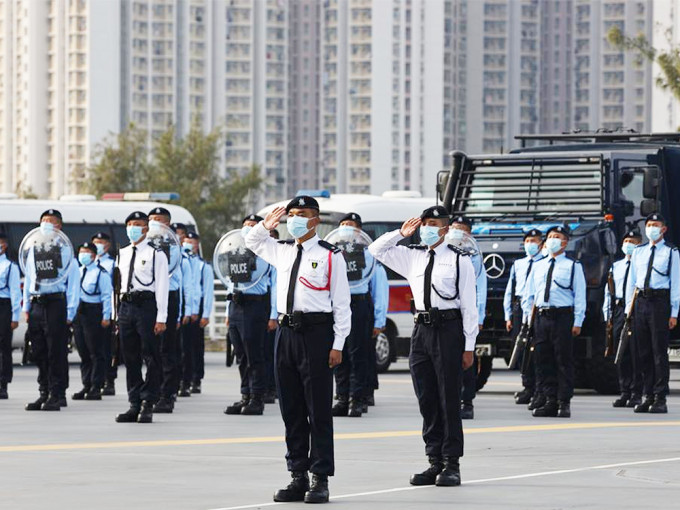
154, 225
530, 249
653, 233
100, 249
430, 235
46, 228
85, 258
297, 226
553, 245
188, 247
134, 233
628, 248
346, 232
245, 230
456, 234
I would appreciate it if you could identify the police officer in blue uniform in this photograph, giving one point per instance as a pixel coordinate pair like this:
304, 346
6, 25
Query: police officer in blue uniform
249, 318
379, 287
50, 309
442, 280
655, 276
93, 317
557, 287
189, 318
10, 307
512, 307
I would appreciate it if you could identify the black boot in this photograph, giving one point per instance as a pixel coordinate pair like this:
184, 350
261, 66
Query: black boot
164, 406
296, 489
659, 406
364, 405
255, 406
109, 389
548, 410
145, 413
51, 404
318, 490
129, 416
644, 406
195, 387
635, 399
355, 408
236, 407
450, 476
3, 391
80, 395
35, 406
467, 411
622, 401
62, 401
94, 394
270, 397
523, 397
341, 407
538, 400
184, 390
563, 409
429, 476
370, 399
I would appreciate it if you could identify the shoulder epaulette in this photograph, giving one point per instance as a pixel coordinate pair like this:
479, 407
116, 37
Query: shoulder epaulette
329, 246
671, 246
458, 250
286, 241
417, 247
641, 245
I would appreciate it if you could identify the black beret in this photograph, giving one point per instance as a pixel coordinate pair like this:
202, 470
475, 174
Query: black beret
352, 217
534, 232
437, 212
633, 234
302, 202
101, 235
137, 215
193, 235
178, 226
88, 246
51, 212
253, 217
656, 217
462, 220
560, 229
161, 211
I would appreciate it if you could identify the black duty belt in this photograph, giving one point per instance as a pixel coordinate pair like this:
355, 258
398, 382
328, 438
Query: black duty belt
240, 298
5, 300
655, 293
138, 297
85, 304
361, 297
298, 321
174, 293
436, 316
554, 311
46, 298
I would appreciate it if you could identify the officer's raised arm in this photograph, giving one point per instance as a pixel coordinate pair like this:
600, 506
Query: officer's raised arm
258, 239
385, 248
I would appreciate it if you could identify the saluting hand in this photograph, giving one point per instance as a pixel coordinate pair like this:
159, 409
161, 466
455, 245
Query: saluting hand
334, 358
410, 226
273, 218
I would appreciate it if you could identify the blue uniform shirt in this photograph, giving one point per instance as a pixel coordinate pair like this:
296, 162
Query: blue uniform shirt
10, 285
107, 262
563, 291
664, 273
519, 272
186, 297
619, 270
95, 287
480, 274
363, 287
203, 274
380, 294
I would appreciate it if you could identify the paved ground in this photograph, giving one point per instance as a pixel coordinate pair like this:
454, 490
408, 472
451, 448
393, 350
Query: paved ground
200, 459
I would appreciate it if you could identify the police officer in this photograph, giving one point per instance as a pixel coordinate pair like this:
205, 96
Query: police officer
512, 306
10, 307
558, 289
654, 273
102, 241
50, 308
379, 287
459, 227
614, 310
93, 317
249, 319
442, 280
204, 291
314, 303
180, 285
142, 317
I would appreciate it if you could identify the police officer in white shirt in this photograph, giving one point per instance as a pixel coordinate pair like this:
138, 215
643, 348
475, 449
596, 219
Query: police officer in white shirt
313, 301
142, 317
442, 281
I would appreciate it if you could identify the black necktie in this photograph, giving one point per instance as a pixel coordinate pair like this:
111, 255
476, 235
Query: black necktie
131, 270
548, 282
625, 279
428, 282
293, 278
531, 263
650, 266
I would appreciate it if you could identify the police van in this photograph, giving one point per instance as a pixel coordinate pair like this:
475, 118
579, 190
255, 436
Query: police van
83, 216
600, 184
379, 214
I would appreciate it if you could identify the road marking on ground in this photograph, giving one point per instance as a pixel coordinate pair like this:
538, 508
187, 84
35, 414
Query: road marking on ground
481, 480
338, 437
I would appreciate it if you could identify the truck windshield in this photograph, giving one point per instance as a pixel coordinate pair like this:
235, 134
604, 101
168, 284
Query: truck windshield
527, 186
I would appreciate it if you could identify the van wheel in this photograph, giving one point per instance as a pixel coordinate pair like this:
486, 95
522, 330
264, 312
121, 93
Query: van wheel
484, 364
383, 352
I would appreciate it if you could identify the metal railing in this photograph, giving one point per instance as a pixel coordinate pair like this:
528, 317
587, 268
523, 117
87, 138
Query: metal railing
216, 329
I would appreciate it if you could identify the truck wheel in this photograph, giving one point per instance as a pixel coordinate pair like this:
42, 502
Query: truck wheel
383, 352
484, 364
603, 376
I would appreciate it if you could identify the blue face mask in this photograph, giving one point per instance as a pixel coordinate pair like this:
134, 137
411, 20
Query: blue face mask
345, 232
100, 248
46, 228
430, 235
653, 233
297, 226
134, 233
457, 234
85, 258
188, 247
245, 230
628, 248
553, 245
530, 249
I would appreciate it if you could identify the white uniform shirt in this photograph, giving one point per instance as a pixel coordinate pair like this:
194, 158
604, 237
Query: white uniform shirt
313, 271
147, 275
411, 264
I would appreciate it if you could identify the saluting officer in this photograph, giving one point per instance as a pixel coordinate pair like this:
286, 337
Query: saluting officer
614, 309
93, 317
655, 274
313, 300
50, 308
102, 242
512, 306
10, 307
142, 317
557, 287
442, 280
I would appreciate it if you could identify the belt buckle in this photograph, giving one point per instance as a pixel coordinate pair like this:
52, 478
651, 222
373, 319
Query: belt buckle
427, 318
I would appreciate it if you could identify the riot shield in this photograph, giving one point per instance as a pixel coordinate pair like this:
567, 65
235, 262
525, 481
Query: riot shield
47, 257
354, 244
236, 266
162, 238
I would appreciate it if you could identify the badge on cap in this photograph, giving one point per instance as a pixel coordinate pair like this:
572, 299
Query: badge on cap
435, 213
301, 201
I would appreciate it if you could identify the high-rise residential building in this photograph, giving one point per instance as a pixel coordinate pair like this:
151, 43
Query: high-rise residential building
666, 27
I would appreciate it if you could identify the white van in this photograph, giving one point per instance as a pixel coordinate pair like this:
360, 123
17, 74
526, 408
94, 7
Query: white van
83, 217
379, 214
